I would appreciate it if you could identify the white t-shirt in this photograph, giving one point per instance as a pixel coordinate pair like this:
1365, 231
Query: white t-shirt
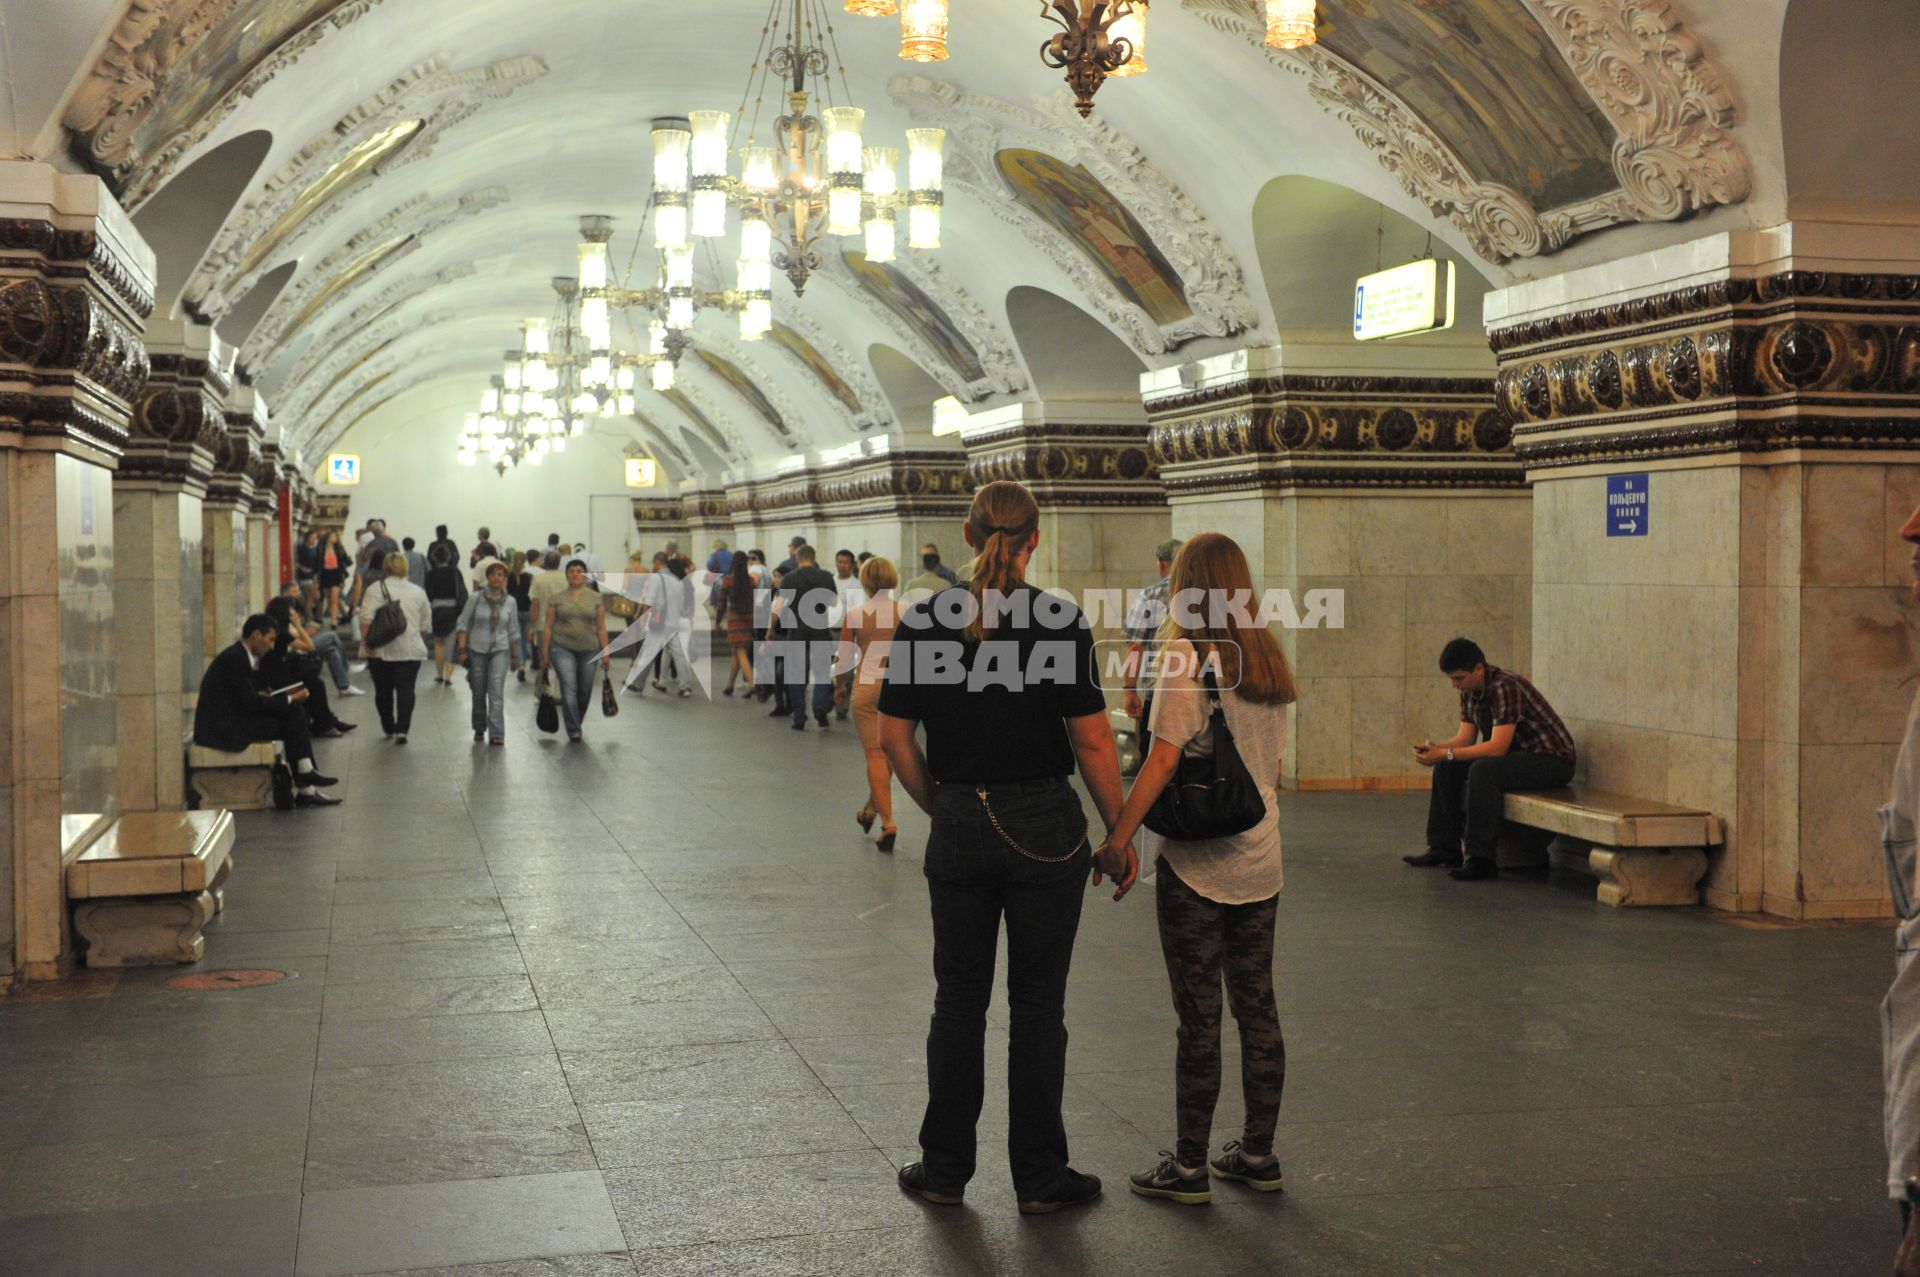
412, 643
1901, 815
852, 595
1244, 868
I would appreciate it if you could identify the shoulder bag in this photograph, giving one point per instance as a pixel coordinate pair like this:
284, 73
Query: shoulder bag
1211, 795
387, 624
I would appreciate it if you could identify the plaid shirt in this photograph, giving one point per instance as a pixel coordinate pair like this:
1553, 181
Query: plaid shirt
1508, 698
1143, 622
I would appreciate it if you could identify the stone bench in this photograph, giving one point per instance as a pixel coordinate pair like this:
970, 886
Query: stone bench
237, 782
144, 889
1643, 852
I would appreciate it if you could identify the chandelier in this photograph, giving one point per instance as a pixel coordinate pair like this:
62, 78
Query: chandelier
817, 178
607, 371
538, 400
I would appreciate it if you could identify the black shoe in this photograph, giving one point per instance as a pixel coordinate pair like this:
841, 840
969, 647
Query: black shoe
328, 733
304, 779
478, 737
776, 712
311, 798
1165, 1180
1233, 1164
913, 1179
823, 720
1071, 1189
799, 724
1434, 856
726, 691
1476, 868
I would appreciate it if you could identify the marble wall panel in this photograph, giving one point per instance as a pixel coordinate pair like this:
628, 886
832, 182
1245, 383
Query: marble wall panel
1841, 541
1859, 652
1320, 732
194, 653
1841, 868
1902, 499
86, 636
1692, 538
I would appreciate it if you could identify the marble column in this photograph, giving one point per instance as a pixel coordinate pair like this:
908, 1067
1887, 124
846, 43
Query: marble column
1384, 477
76, 286
658, 520
1747, 646
230, 495
1103, 509
704, 512
158, 494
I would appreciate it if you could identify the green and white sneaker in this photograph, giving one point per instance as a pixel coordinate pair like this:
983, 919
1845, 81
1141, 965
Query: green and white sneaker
1165, 1180
1232, 1164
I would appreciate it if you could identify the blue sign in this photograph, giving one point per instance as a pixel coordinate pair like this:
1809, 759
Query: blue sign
1627, 505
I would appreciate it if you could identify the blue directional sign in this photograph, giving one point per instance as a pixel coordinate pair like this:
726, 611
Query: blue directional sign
1627, 505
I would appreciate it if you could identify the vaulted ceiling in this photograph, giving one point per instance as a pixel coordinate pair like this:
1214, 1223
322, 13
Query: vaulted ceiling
367, 196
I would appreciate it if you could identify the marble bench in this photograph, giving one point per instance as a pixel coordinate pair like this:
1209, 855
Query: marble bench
144, 889
1643, 852
237, 782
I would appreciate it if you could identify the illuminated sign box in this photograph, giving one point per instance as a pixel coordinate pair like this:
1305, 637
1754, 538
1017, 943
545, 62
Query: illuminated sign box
1415, 298
642, 472
343, 468
949, 416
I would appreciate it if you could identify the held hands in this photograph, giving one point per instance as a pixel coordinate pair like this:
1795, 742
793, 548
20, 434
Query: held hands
1121, 864
1131, 703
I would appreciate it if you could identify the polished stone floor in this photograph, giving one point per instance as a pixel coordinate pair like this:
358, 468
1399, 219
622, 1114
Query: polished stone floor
652, 1005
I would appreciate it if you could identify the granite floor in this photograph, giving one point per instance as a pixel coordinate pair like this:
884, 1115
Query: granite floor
652, 1005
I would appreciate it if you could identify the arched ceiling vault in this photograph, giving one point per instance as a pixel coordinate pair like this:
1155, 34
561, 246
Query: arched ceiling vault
429, 161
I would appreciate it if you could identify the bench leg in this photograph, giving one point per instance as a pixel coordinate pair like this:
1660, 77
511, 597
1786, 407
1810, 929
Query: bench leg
144, 931
216, 888
1648, 875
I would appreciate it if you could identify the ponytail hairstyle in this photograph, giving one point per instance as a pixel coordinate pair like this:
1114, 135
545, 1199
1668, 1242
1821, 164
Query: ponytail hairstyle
1249, 657
1003, 519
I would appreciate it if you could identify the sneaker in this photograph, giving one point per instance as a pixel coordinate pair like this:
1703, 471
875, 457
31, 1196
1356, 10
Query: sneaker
1232, 1164
351, 690
357, 667
913, 1179
1071, 1189
478, 737
1165, 1180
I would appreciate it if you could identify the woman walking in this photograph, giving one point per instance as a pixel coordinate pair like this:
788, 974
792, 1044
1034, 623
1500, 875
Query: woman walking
1009, 838
1216, 899
306, 570
865, 637
334, 561
520, 586
396, 664
576, 632
487, 641
446, 596
735, 614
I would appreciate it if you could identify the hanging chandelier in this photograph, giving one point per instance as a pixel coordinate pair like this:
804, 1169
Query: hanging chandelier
1291, 24
817, 178
538, 400
668, 309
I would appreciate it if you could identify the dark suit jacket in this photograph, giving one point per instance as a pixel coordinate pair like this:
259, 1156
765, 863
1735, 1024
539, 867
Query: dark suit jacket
232, 714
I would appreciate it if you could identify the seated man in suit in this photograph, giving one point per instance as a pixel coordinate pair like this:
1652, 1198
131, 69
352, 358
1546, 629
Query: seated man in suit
235, 711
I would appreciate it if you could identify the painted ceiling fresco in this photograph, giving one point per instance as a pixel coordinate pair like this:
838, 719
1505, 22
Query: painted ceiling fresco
909, 303
803, 350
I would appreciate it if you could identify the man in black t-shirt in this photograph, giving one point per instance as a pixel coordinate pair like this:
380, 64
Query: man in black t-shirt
803, 613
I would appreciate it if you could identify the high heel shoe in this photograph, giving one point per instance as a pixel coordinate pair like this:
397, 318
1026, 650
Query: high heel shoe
885, 841
864, 818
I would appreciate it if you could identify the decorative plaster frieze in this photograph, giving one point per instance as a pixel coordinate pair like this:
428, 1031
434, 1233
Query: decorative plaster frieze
1673, 153
334, 363
265, 347
796, 436
716, 434
178, 425
1001, 366
1069, 465
1789, 362
875, 410
894, 484
980, 127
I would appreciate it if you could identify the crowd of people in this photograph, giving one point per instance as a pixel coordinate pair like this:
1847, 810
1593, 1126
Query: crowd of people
988, 761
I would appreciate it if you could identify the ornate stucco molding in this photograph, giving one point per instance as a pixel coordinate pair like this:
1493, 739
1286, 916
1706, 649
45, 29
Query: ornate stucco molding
979, 127
1295, 431
1673, 152
327, 366
795, 435
134, 76
178, 424
265, 347
1002, 373
715, 432
1791, 362
1076, 465
875, 411
400, 231
900, 485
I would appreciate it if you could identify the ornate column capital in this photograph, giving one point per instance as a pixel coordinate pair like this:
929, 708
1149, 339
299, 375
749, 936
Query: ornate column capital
903, 485
178, 424
1072, 456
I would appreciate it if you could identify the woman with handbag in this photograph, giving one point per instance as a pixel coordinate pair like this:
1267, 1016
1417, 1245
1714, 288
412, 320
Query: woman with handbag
1009, 840
1207, 795
487, 641
576, 633
394, 655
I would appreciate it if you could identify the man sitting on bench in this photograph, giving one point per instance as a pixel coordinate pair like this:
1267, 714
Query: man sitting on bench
235, 711
1521, 744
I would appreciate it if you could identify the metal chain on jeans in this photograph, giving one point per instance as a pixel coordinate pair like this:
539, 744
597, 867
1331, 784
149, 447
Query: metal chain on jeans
1005, 838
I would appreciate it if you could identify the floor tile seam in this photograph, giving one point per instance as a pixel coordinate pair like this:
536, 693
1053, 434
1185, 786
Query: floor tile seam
1299, 1185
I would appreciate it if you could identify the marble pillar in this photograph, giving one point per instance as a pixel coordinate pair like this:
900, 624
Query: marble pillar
231, 492
1103, 509
76, 286
1383, 477
1747, 645
159, 523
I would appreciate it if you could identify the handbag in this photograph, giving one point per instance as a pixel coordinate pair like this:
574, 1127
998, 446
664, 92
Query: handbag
621, 606
282, 777
388, 623
609, 703
547, 716
1210, 795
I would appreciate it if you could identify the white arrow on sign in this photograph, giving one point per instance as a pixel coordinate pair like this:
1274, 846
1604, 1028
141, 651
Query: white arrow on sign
1632, 525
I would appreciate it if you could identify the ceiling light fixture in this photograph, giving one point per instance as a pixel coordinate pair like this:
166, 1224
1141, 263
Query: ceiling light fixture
923, 30
1291, 24
1096, 40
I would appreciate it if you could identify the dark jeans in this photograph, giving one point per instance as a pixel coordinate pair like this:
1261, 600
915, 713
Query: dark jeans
1201, 939
393, 694
1467, 796
974, 878
806, 660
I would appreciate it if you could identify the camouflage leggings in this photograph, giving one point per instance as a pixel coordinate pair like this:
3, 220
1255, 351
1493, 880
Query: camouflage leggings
1199, 937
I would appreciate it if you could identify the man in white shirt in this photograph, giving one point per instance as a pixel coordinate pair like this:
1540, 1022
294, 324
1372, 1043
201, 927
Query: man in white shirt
1900, 1019
846, 579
